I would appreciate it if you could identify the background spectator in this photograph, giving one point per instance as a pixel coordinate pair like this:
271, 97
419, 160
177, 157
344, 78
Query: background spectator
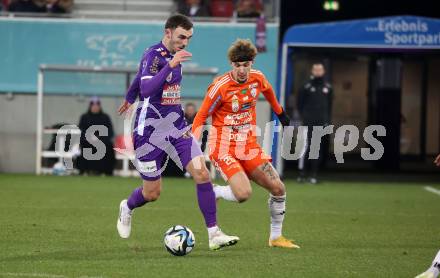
190, 112
314, 106
249, 8
58, 6
95, 116
41, 6
221, 8
193, 8
26, 6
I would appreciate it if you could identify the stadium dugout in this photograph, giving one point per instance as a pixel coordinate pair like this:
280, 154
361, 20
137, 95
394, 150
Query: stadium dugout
385, 67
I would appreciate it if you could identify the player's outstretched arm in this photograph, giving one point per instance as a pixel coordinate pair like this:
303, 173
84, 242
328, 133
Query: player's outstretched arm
283, 118
206, 109
269, 94
124, 107
134, 89
151, 83
132, 94
179, 57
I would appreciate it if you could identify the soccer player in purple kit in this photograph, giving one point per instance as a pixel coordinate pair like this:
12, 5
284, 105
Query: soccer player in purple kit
160, 130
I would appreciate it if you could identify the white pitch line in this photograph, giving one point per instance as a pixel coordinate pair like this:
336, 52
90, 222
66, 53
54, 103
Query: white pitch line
16, 274
432, 190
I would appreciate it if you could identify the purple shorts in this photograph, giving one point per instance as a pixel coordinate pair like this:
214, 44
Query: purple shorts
152, 153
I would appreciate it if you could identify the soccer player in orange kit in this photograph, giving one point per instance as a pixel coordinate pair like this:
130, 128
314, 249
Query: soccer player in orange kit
231, 102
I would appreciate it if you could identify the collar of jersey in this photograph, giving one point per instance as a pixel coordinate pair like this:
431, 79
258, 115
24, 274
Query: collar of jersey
166, 49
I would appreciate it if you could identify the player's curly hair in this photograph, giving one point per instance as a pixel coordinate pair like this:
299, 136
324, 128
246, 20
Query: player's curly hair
242, 50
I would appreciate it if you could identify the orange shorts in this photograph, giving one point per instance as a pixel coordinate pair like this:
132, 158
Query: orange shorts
233, 160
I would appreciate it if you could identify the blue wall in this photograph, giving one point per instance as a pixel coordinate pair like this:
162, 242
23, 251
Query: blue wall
27, 43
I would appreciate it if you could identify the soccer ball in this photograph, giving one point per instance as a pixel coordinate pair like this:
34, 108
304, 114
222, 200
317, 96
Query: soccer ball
59, 169
179, 240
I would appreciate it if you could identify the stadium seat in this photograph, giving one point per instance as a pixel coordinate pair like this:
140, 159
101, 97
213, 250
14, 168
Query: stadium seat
222, 8
124, 142
5, 4
60, 148
127, 9
125, 152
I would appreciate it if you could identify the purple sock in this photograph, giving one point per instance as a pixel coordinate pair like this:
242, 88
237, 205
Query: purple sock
136, 199
207, 204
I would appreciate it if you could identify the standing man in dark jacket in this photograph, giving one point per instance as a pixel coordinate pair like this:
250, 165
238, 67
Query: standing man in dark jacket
96, 117
314, 106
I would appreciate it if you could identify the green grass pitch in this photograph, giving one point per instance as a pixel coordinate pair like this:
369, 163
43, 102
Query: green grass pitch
66, 227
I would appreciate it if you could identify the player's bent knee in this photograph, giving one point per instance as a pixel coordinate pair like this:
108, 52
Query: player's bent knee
278, 189
244, 195
201, 176
151, 196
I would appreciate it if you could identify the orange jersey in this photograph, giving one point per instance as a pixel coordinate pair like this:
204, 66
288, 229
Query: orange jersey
232, 106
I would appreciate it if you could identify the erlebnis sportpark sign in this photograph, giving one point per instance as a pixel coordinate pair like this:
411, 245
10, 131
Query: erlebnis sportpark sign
386, 32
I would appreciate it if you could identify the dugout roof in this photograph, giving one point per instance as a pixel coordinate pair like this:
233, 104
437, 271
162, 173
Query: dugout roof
402, 33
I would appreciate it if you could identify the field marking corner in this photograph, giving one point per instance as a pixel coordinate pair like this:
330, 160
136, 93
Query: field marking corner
432, 190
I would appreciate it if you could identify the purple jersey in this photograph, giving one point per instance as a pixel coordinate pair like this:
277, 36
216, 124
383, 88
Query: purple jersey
158, 87
160, 127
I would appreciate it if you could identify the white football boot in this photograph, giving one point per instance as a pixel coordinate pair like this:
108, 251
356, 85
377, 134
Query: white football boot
219, 240
124, 220
427, 274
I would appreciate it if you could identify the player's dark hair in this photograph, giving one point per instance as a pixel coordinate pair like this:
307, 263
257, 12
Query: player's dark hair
242, 50
178, 20
188, 104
